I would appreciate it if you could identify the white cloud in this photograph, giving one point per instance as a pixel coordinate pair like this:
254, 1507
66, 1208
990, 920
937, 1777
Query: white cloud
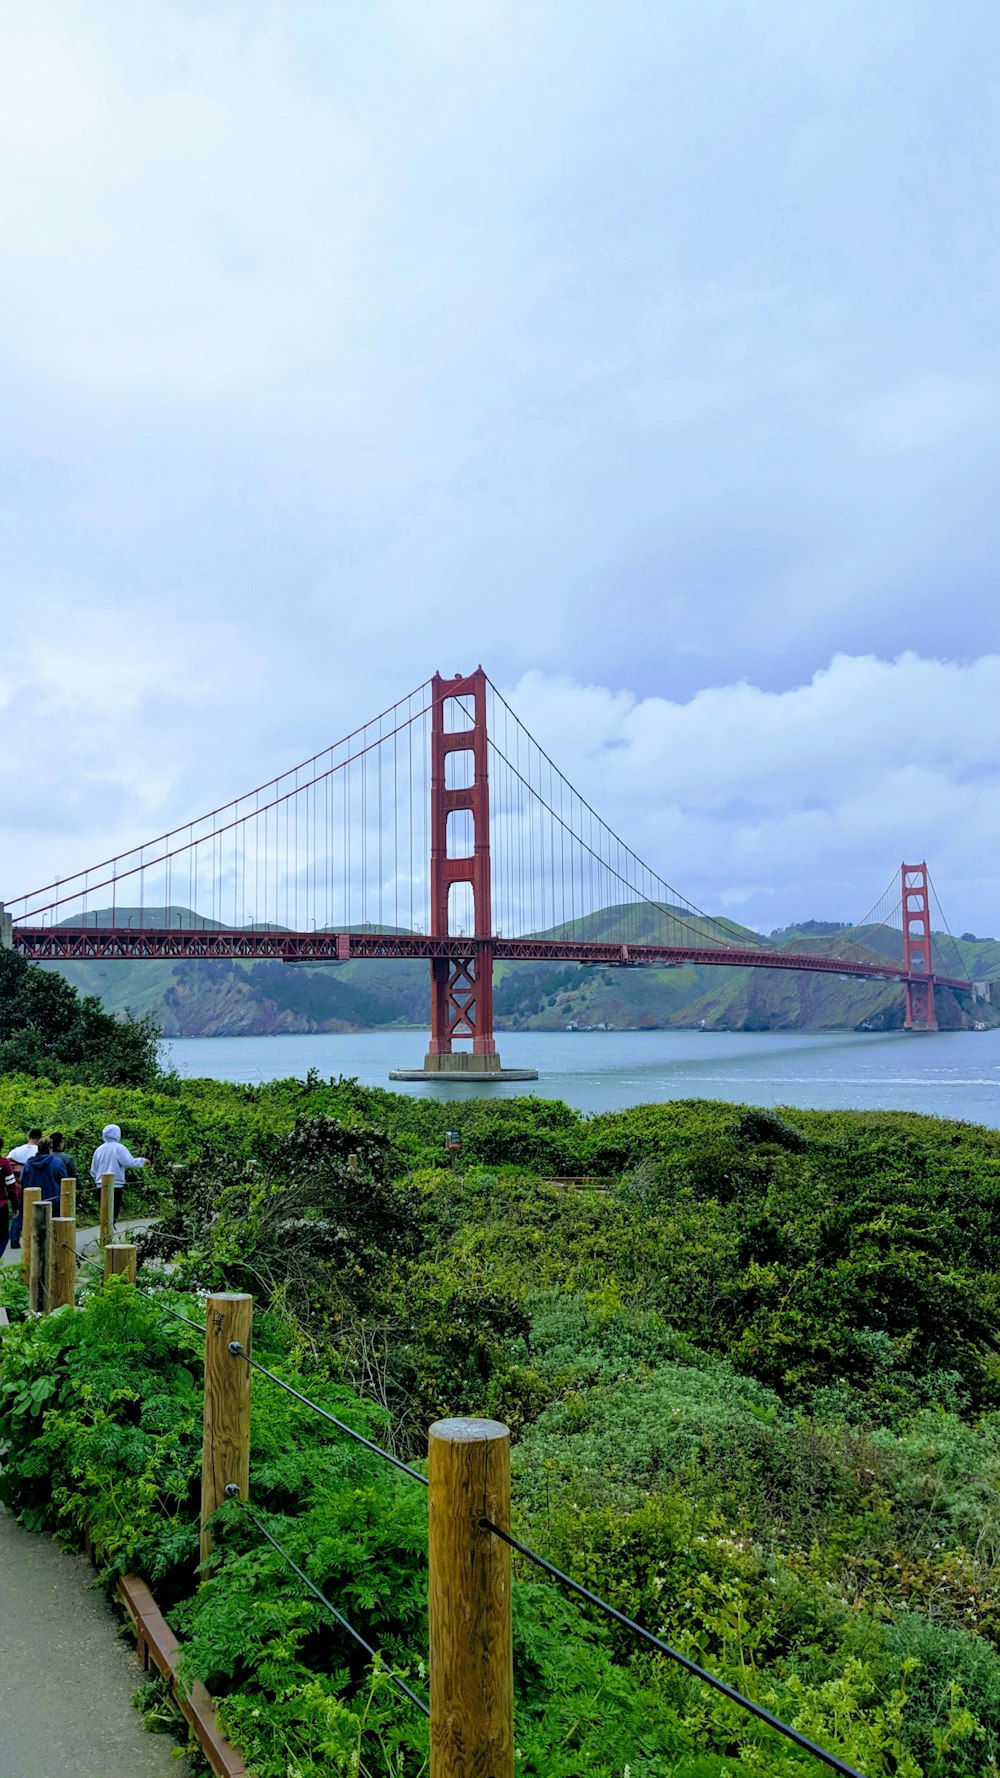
771, 806
782, 805
341, 344
182, 217
105, 727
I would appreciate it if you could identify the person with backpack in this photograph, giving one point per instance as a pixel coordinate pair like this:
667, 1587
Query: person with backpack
47, 1171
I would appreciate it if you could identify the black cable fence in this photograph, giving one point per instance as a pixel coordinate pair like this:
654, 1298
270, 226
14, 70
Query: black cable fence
233, 1493
627, 1623
237, 1350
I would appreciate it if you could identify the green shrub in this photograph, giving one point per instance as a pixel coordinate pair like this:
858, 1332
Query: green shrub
47, 1028
753, 1386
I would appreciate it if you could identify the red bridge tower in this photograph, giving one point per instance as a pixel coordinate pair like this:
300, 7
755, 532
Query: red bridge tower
917, 960
461, 985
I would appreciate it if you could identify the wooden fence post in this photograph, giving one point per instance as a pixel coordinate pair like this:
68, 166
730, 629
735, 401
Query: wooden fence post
62, 1262
226, 1449
107, 1208
38, 1258
471, 1647
30, 1196
67, 1198
119, 1260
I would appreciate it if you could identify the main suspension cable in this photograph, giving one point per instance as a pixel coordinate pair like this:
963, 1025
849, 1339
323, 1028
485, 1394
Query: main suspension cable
689, 905
215, 833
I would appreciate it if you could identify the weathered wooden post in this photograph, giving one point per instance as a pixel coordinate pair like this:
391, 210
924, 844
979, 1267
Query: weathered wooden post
38, 1258
471, 1643
226, 1448
67, 1198
107, 1208
62, 1262
30, 1196
119, 1261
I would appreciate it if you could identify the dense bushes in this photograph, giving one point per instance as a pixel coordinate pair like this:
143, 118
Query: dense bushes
47, 1028
686, 1494
753, 1387
101, 1416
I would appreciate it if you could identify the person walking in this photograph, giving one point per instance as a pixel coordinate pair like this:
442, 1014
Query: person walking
47, 1171
24, 1150
113, 1157
8, 1198
58, 1142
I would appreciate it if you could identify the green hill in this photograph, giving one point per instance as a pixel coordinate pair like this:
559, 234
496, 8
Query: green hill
208, 999
538, 996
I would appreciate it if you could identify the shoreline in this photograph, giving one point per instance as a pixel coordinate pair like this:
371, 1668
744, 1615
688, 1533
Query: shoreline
529, 1031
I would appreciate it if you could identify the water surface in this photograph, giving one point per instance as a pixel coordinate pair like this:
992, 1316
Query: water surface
948, 1074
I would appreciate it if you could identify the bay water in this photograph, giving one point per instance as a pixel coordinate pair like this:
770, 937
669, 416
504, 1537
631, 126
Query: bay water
952, 1074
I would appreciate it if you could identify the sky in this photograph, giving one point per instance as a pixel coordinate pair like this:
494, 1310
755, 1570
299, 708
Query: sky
646, 353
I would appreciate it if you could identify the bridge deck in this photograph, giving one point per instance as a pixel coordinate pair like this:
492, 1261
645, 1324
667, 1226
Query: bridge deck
75, 944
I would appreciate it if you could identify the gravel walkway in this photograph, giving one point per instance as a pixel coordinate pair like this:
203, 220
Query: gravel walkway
67, 1675
87, 1240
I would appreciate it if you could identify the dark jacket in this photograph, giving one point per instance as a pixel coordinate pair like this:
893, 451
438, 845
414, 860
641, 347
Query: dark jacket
47, 1171
8, 1186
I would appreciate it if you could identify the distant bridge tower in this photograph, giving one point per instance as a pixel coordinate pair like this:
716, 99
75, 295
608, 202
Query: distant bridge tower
462, 985
917, 961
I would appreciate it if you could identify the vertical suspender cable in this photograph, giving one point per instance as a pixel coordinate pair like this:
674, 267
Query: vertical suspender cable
425, 803
531, 842
348, 780
345, 841
410, 802
364, 830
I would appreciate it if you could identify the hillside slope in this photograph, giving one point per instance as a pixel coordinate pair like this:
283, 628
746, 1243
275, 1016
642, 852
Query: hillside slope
259, 999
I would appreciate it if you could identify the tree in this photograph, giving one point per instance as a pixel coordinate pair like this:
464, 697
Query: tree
48, 1028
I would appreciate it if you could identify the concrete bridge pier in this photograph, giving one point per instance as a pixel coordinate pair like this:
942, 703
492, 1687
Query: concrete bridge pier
463, 1065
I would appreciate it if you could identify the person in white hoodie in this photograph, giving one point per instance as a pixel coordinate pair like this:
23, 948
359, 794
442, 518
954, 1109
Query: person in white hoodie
113, 1157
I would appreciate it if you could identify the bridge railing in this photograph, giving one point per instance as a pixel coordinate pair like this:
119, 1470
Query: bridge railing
470, 1542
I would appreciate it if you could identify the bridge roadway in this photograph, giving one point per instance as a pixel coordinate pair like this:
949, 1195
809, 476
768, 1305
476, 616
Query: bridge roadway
78, 944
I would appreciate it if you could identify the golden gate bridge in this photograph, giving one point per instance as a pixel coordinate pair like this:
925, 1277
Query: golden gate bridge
442, 830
